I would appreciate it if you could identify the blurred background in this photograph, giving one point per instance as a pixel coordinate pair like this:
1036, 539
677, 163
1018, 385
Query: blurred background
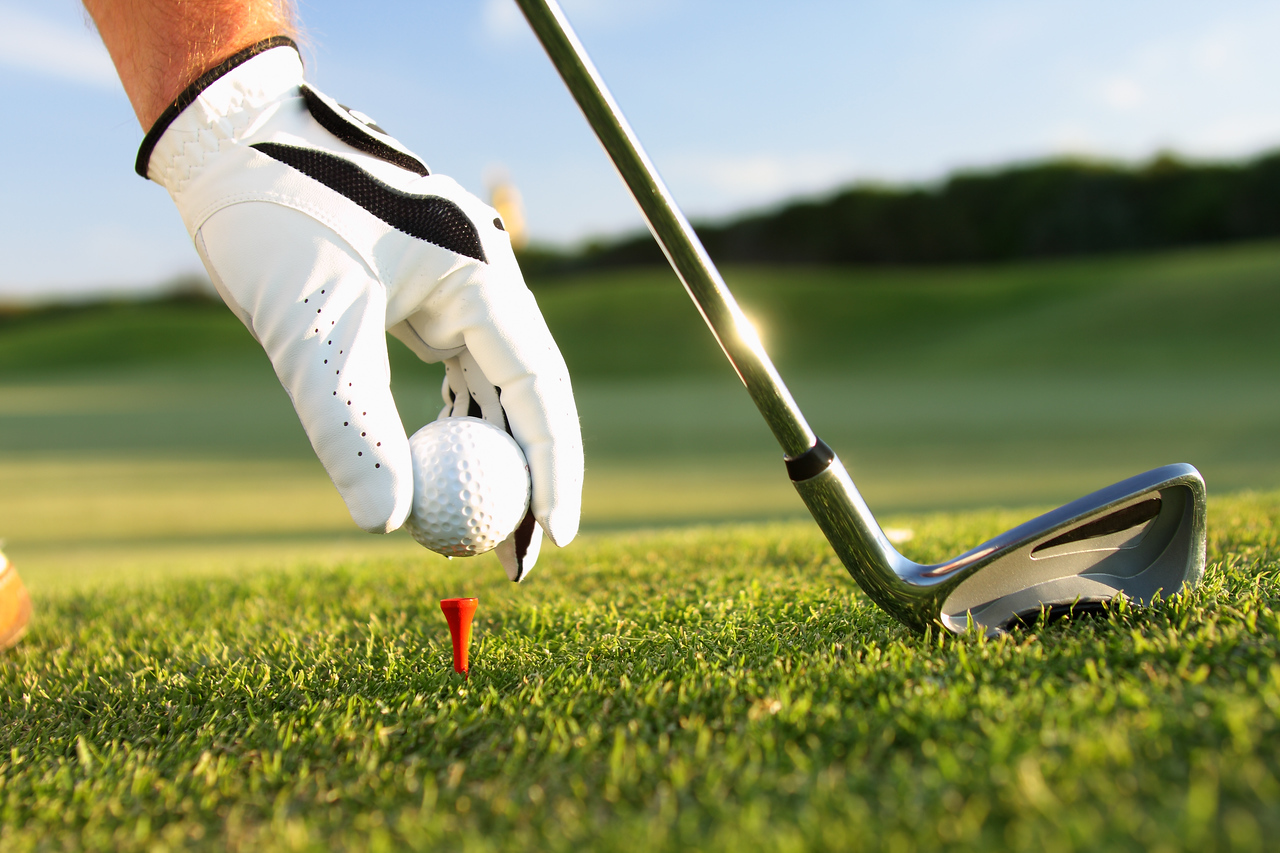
1005, 254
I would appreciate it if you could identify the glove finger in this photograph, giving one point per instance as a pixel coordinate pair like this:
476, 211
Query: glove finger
457, 397
537, 400
320, 315
517, 354
519, 551
483, 394
480, 302
468, 394
514, 351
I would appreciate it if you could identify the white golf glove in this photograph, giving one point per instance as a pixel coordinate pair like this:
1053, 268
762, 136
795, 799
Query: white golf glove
322, 234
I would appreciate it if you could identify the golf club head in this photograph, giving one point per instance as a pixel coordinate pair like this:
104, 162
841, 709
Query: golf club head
1139, 538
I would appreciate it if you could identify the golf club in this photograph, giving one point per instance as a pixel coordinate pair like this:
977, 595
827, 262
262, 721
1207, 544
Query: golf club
1139, 538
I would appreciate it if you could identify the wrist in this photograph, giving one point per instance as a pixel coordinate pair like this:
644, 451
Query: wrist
203, 112
160, 46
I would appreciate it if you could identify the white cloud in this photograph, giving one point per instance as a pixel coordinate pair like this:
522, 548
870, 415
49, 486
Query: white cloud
1237, 135
1123, 93
501, 20
1071, 139
1227, 60
734, 181
753, 174
1220, 52
54, 49
1203, 93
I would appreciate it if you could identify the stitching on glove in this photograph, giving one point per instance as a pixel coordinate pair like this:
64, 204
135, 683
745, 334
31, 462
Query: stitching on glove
356, 135
435, 219
189, 95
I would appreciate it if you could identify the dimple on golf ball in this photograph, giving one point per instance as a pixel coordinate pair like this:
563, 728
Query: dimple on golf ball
470, 486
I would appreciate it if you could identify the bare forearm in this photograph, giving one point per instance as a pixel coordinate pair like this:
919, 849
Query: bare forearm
160, 46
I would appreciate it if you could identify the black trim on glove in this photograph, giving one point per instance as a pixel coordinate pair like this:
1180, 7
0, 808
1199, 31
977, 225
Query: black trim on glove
355, 133
188, 96
427, 217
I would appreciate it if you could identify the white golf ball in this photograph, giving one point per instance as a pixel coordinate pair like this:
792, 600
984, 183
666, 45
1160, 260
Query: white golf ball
470, 486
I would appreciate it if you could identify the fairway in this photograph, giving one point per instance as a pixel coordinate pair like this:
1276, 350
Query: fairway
220, 660
136, 435
717, 688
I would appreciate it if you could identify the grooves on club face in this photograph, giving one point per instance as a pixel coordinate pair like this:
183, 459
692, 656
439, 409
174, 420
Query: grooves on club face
1140, 538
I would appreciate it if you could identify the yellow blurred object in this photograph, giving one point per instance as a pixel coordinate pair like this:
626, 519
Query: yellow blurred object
15, 605
505, 198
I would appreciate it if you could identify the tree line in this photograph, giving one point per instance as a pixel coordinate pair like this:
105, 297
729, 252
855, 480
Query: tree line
1040, 210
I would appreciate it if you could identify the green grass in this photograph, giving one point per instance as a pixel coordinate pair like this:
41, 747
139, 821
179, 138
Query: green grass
220, 660
715, 688
1197, 310
941, 388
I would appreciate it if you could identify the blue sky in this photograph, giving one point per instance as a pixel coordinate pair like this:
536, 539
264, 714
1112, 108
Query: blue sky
740, 104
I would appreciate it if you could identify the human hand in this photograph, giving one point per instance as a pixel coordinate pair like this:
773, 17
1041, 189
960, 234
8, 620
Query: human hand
322, 234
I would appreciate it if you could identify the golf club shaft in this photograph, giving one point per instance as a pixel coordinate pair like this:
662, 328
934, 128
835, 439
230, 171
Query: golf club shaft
737, 337
818, 476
